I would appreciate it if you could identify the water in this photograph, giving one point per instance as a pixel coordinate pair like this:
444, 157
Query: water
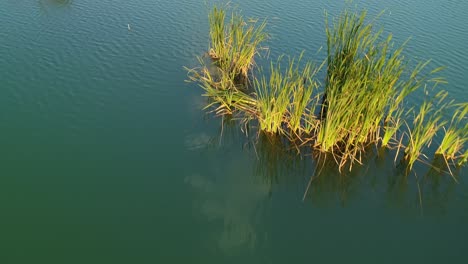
107, 157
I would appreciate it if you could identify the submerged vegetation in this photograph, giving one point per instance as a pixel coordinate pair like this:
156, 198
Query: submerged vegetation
362, 101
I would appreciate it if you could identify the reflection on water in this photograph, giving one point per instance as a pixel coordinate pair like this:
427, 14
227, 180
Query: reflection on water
227, 195
428, 188
327, 185
56, 2
234, 204
276, 160
436, 187
197, 141
45, 5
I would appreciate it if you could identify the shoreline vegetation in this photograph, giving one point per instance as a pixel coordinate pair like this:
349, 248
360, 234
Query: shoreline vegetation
362, 102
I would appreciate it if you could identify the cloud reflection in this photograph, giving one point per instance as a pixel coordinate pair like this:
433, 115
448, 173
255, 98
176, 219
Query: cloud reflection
235, 201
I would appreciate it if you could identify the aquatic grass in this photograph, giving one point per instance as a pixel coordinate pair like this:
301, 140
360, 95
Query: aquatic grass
311, 120
456, 136
364, 88
217, 19
273, 97
284, 96
367, 82
362, 102
394, 116
221, 90
427, 122
235, 44
350, 47
391, 126
463, 158
303, 105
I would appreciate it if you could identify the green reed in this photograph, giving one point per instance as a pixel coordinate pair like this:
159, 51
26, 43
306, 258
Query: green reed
235, 43
364, 88
456, 136
222, 91
463, 158
427, 122
362, 102
284, 97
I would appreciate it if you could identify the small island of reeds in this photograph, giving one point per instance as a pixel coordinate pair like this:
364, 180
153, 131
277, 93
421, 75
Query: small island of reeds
360, 102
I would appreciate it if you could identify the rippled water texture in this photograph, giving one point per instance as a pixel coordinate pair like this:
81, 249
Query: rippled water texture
108, 157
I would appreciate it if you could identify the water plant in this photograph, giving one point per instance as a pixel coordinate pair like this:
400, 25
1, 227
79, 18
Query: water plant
235, 44
426, 124
221, 90
364, 89
284, 97
456, 136
362, 102
463, 158
394, 116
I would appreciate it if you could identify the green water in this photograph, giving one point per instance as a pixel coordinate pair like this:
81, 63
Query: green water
107, 157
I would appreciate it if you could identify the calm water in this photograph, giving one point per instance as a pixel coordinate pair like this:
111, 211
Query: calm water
107, 157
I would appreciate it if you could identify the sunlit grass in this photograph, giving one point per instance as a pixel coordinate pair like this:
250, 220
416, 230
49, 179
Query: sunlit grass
235, 43
364, 89
284, 97
427, 122
362, 102
222, 91
456, 136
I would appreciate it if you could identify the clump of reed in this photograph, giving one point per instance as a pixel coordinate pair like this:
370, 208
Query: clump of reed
426, 124
235, 43
456, 137
222, 91
364, 89
362, 102
284, 98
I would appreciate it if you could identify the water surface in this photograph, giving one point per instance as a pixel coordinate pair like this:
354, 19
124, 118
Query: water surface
107, 157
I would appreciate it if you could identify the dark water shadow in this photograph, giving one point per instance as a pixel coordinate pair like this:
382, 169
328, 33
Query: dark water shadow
255, 171
328, 185
437, 187
425, 189
277, 161
57, 3
227, 195
382, 177
47, 5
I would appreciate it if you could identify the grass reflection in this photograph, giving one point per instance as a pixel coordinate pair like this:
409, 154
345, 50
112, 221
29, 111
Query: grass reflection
276, 160
382, 178
327, 185
56, 2
48, 5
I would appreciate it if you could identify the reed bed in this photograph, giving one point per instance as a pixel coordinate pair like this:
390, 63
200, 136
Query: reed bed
365, 90
224, 95
362, 101
426, 124
456, 137
284, 98
235, 44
